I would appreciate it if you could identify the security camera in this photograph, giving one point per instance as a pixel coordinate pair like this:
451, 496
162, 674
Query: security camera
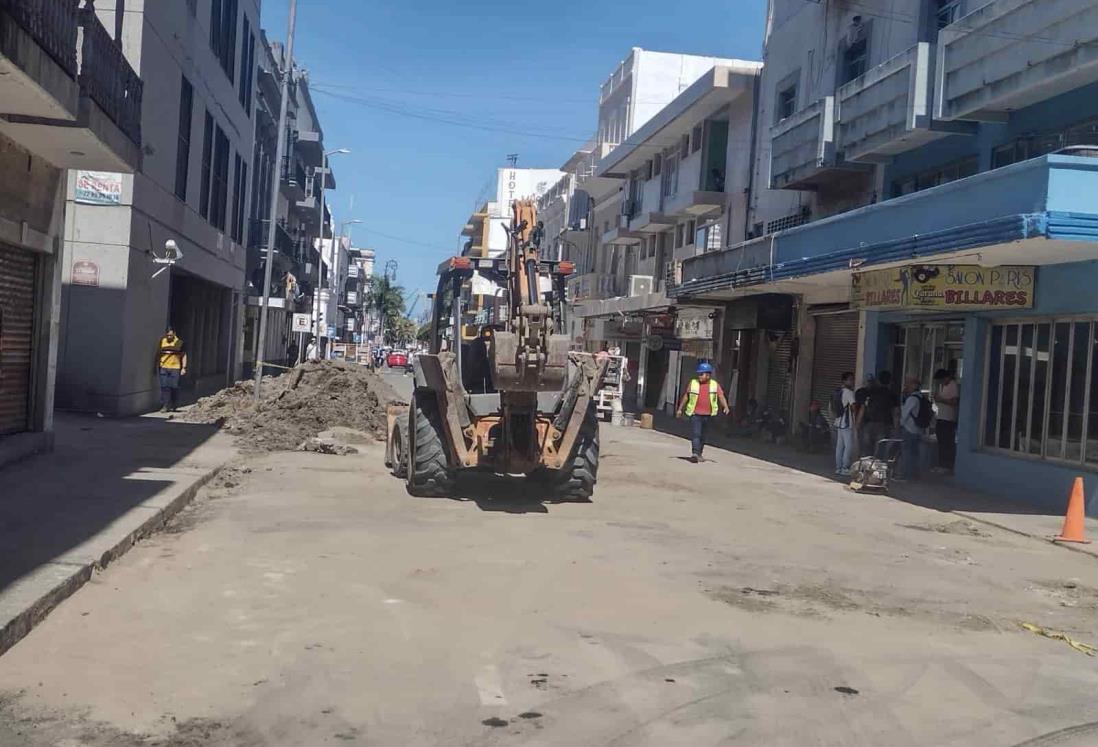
172, 250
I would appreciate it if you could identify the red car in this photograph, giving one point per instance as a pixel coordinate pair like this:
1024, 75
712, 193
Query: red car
397, 359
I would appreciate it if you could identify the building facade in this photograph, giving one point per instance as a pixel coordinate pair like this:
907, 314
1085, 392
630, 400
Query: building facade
298, 220
929, 174
191, 189
68, 100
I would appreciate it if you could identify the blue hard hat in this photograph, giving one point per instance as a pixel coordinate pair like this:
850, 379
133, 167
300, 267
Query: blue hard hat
705, 367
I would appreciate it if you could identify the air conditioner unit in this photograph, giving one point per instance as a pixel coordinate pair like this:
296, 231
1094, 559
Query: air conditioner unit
640, 285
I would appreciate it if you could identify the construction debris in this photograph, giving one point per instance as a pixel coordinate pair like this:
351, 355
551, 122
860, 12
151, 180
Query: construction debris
1056, 635
308, 400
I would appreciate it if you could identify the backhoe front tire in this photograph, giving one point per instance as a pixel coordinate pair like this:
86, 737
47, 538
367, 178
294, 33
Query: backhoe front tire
575, 481
429, 473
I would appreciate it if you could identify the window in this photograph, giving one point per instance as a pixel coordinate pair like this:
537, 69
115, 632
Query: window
948, 11
223, 22
950, 172
1041, 395
247, 68
657, 162
787, 103
1039, 144
855, 60
669, 180
207, 167
183, 138
684, 147
680, 233
691, 230
696, 138
798, 218
648, 171
219, 192
236, 229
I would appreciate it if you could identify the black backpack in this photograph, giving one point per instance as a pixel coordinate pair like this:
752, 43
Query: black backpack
878, 406
924, 414
837, 403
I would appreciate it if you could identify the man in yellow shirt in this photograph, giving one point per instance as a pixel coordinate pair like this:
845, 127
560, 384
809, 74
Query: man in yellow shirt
171, 364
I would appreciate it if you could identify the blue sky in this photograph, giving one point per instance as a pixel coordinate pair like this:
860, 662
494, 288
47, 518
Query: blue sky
391, 77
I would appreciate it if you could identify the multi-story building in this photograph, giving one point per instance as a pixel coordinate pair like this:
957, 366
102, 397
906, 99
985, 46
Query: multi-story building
191, 189
931, 167
643, 103
297, 225
68, 100
686, 181
360, 270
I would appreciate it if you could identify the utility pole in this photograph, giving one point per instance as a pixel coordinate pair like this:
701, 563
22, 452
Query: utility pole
272, 220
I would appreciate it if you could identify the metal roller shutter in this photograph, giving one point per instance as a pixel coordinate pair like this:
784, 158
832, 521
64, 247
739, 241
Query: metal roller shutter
835, 352
16, 331
779, 379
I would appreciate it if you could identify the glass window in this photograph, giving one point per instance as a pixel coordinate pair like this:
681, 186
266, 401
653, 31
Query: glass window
787, 103
1041, 389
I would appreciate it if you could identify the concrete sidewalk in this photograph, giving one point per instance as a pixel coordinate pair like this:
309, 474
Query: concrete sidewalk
933, 491
107, 483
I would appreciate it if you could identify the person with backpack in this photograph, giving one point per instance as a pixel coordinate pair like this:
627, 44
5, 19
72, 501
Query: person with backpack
842, 410
879, 413
915, 417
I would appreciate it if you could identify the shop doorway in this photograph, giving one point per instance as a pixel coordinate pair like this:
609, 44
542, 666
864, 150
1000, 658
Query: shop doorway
201, 314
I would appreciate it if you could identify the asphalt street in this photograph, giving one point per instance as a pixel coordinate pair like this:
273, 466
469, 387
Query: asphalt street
307, 599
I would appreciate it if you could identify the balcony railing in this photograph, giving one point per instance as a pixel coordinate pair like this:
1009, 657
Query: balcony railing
107, 78
284, 242
886, 110
1008, 54
802, 145
51, 23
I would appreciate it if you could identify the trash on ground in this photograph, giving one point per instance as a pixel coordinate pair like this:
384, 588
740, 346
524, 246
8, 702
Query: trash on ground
1055, 635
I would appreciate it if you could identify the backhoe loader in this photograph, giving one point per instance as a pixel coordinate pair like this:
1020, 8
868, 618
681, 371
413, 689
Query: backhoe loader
499, 390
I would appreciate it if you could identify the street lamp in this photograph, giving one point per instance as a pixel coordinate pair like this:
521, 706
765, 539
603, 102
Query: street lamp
320, 231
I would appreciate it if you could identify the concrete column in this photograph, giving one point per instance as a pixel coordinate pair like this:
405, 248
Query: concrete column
805, 326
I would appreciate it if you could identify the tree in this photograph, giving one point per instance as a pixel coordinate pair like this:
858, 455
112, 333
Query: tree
403, 329
385, 300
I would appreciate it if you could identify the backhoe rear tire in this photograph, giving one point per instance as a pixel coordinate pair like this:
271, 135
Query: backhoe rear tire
429, 473
575, 481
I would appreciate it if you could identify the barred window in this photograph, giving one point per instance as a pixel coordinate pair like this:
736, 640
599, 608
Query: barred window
789, 221
1042, 392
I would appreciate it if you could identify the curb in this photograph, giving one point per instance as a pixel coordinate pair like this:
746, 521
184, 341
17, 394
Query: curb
19, 626
1041, 537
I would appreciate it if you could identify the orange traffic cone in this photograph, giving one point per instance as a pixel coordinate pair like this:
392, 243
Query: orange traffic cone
1075, 517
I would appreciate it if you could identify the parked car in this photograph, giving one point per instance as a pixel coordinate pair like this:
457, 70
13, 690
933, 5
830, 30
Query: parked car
397, 359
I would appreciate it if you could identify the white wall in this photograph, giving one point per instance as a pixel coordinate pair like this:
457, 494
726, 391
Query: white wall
803, 46
163, 43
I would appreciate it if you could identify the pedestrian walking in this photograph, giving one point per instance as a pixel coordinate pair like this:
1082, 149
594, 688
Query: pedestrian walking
878, 416
312, 350
842, 410
701, 402
947, 399
915, 416
171, 365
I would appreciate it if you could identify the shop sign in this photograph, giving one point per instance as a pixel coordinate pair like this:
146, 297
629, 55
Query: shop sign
694, 324
945, 287
85, 273
98, 188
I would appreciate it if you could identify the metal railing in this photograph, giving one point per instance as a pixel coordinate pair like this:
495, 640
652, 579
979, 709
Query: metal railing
51, 23
107, 78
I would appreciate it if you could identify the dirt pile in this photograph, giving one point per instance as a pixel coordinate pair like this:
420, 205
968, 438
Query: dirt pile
295, 407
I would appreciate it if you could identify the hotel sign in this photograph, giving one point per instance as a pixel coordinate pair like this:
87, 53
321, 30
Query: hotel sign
945, 287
